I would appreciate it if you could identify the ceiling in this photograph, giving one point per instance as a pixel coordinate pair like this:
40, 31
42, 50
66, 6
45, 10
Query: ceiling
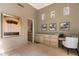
39, 5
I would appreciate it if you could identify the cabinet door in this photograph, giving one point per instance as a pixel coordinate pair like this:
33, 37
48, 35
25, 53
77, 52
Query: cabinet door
36, 38
46, 40
41, 39
54, 42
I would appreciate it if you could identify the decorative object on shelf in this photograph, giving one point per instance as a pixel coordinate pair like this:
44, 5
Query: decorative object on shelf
64, 26
52, 14
43, 17
52, 26
11, 25
44, 27
66, 11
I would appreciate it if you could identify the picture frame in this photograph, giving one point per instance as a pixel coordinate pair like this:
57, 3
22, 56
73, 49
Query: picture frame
44, 27
52, 27
66, 11
65, 26
43, 17
10, 25
52, 14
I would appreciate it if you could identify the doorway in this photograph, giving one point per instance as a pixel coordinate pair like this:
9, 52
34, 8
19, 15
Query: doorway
30, 30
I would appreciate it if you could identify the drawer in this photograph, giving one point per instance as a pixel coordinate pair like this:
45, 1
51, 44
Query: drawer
46, 42
53, 40
54, 44
36, 39
46, 39
54, 36
41, 39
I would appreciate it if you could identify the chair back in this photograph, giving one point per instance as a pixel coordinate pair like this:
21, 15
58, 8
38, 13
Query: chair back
71, 42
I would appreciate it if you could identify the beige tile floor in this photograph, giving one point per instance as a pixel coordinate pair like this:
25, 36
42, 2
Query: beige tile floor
39, 50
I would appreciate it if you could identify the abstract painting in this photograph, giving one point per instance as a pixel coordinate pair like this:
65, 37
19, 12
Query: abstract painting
11, 25
52, 26
65, 26
44, 27
66, 11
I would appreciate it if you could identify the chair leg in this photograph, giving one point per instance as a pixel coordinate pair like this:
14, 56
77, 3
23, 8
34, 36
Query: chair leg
67, 51
77, 52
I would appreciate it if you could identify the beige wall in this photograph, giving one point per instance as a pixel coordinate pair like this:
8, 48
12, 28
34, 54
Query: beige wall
29, 12
25, 13
73, 18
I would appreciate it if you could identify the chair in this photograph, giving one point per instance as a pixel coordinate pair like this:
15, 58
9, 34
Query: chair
71, 43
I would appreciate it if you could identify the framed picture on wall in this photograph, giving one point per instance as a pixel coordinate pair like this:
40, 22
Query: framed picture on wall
66, 11
43, 17
52, 26
44, 27
65, 26
11, 25
52, 14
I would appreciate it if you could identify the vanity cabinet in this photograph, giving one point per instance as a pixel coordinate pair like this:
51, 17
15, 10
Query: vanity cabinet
47, 39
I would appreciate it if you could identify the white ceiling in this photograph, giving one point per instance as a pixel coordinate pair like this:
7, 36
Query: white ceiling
39, 5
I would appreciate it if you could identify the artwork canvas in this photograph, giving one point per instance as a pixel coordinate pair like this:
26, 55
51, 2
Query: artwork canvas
52, 14
66, 11
43, 17
65, 26
11, 25
44, 27
52, 27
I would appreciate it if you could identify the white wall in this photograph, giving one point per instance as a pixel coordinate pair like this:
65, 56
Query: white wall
26, 12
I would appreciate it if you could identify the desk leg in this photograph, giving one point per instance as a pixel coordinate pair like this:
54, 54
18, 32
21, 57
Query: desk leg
77, 52
60, 43
67, 51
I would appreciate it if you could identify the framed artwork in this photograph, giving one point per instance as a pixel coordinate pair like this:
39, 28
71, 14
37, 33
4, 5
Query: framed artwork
66, 11
52, 27
52, 14
11, 25
44, 27
65, 26
43, 17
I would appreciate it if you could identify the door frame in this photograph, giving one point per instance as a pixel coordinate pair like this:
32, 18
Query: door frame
32, 27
